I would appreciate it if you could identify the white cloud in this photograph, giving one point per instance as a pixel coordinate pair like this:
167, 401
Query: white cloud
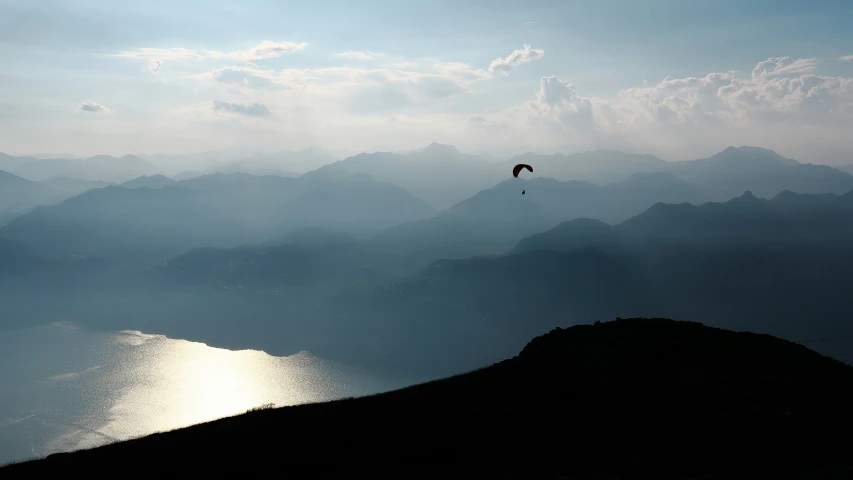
356, 55
160, 53
252, 78
93, 107
514, 59
265, 50
777, 66
846, 58
154, 65
253, 110
783, 100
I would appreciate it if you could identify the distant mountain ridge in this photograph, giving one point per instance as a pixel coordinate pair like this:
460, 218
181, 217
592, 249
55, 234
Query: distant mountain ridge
97, 168
19, 194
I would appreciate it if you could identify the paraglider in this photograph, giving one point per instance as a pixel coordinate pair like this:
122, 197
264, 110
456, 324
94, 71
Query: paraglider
518, 168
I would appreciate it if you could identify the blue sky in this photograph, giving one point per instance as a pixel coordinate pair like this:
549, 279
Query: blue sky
182, 76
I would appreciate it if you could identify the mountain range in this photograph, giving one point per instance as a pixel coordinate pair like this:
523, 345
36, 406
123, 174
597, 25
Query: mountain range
360, 301
97, 168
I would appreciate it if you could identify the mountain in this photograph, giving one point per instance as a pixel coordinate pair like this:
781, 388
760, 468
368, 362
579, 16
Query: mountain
9, 163
438, 174
251, 167
18, 194
787, 219
135, 226
493, 220
153, 181
97, 168
723, 175
598, 166
74, 186
357, 204
847, 169
299, 161
306, 261
186, 175
761, 171
718, 263
13, 257
255, 199
579, 402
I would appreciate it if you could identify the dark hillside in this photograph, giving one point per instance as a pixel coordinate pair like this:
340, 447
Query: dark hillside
633, 398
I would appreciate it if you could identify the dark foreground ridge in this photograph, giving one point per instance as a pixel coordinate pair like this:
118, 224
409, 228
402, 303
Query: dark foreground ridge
631, 397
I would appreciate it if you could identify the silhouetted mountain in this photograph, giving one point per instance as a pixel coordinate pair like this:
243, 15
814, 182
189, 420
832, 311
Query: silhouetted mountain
581, 402
847, 169
13, 257
309, 261
132, 225
598, 166
299, 161
438, 174
9, 163
153, 181
97, 168
357, 204
186, 175
493, 220
18, 194
745, 221
761, 171
74, 186
252, 167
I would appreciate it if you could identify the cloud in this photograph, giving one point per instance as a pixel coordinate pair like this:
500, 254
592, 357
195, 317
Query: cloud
90, 106
265, 50
356, 55
846, 58
782, 99
505, 65
777, 66
253, 110
154, 65
248, 77
160, 53
485, 124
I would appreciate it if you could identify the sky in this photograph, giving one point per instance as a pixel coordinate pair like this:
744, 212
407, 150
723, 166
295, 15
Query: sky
673, 78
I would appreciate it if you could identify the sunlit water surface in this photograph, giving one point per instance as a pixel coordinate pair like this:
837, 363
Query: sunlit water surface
64, 388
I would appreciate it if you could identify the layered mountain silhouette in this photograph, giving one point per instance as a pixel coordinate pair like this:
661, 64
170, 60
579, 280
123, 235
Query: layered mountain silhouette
438, 174
600, 167
136, 226
722, 176
221, 210
583, 401
99, 167
761, 171
493, 220
152, 181
74, 186
18, 194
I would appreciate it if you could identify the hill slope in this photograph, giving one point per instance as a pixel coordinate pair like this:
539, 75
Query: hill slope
18, 194
636, 396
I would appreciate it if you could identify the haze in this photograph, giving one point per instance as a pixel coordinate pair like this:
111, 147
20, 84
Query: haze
208, 207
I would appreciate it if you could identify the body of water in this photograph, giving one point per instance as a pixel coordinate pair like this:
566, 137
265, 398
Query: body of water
64, 388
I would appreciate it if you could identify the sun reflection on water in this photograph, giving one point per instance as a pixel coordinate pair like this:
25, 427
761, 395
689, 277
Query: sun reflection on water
128, 384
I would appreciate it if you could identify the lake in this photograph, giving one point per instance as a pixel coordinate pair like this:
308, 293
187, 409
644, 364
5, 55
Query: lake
64, 388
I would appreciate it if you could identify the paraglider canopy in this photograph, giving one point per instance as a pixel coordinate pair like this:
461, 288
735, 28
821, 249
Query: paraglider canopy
517, 169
